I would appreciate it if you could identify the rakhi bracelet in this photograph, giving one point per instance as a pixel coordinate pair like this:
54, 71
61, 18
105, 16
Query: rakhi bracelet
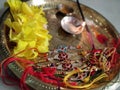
81, 86
107, 53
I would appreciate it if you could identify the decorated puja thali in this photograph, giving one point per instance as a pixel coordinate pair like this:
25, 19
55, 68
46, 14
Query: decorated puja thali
58, 45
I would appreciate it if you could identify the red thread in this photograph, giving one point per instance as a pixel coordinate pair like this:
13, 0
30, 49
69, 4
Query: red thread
46, 74
28, 70
6, 75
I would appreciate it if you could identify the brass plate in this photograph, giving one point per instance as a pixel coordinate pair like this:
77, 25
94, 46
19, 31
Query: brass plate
61, 37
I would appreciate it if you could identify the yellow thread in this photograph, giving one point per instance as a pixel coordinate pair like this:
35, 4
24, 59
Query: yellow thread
83, 86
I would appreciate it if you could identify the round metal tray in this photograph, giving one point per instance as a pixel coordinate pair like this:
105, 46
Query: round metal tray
62, 38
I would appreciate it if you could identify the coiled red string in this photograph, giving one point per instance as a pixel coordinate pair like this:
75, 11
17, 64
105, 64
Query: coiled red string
4, 70
46, 74
5, 76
